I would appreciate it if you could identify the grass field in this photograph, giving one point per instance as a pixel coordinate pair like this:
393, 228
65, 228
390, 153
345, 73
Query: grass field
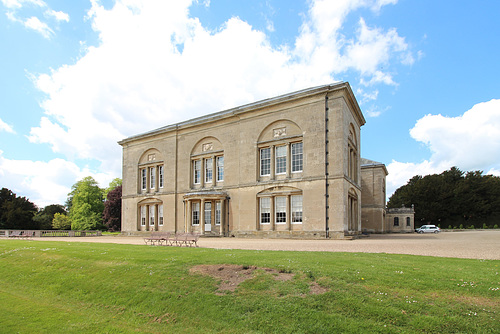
61, 287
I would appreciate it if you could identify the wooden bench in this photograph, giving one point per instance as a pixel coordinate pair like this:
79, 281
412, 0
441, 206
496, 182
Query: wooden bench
158, 238
21, 234
170, 239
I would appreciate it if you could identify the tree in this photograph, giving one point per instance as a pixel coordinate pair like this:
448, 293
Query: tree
87, 205
61, 222
452, 198
44, 217
112, 185
16, 212
112, 214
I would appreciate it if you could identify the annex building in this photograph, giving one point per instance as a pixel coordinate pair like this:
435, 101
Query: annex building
287, 166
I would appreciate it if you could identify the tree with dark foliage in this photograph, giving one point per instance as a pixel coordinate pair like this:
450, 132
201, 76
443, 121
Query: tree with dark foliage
16, 212
112, 214
452, 198
44, 217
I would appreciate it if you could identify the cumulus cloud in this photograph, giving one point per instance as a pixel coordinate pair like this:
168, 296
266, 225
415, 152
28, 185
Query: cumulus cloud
156, 65
58, 15
470, 142
44, 182
6, 127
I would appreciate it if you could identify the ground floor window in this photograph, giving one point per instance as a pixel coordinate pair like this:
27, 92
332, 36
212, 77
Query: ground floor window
265, 210
408, 221
218, 213
280, 209
196, 214
208, 213
160, 215
396, 221
143, 215
296, 202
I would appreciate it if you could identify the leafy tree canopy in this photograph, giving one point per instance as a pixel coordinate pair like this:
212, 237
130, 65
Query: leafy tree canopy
451, 198
16, 212
44, 217
112, 214
112, 185
87, 205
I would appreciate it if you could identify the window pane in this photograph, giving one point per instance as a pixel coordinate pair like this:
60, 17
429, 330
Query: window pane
160, 176
143, 215
144, 179
280, 209
218, 210
297, 157
265, 210
208, 213
196, 171
196, 214
280, 159
220, 168
152, 215
152, 178
265, 161
396, 221
296, 208
208, 170
160, 215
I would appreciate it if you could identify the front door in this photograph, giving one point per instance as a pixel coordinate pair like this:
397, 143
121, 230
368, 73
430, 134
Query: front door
208, 216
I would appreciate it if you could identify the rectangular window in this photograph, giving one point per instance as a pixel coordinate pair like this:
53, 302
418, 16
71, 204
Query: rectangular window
218, 212
296, 202
143, 216
160, 215
265, 161
280, 209
208, 213
144, 179
280, 159
220, 168
196, 171
152, 215
196, 214
396, 221
160, 176
297, 157
265, 210
152, 178
208, 170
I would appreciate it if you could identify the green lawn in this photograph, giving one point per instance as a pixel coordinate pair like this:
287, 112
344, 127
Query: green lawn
61, 287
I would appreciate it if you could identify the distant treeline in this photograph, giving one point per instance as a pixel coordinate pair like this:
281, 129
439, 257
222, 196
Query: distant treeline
453, 199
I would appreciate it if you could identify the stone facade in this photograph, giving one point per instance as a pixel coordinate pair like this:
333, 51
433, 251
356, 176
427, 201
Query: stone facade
288, 166
373, 180
400, 220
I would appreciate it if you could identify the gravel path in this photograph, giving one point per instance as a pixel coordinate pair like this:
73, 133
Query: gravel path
464, 244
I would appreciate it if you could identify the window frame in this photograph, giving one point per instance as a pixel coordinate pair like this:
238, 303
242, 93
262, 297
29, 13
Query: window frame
280, 160
161, 175
209, 169
263, 165
294, 208
160, 215
267, 211
144, 179
280, 210
197, 171
195, 208
218, 213
219, 162
296, 159
152, 177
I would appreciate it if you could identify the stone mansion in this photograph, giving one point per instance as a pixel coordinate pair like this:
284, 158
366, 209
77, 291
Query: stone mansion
288, 166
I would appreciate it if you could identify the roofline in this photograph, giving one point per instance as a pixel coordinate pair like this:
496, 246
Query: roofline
252, 106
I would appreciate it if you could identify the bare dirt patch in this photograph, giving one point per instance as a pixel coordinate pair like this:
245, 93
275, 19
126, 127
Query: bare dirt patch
231, 276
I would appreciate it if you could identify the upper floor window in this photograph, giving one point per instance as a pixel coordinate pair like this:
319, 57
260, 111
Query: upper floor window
297, 157
281, 159
160, 176
196, 171
144, 179
265, 161
220, 168
208, 170
152, 177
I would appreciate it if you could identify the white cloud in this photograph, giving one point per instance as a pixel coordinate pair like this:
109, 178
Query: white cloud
58, 15
156, 65
6, 127
44, 183
35, 24
17, 4
470, 142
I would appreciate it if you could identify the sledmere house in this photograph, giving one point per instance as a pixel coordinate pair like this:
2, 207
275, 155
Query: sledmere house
288, 166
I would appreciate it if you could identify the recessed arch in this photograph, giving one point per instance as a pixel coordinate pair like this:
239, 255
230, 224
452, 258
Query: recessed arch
279, 129
151, 155
207, 145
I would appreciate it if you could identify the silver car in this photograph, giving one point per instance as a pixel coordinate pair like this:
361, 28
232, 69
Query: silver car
428, 229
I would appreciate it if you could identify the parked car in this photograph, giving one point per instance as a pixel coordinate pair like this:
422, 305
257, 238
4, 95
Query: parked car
428, 229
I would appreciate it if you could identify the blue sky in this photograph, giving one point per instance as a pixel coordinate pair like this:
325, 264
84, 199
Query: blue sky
78, 76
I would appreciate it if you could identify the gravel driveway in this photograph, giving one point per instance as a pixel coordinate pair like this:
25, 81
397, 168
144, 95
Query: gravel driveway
464, 244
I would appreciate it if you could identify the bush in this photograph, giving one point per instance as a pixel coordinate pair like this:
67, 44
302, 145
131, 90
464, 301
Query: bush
461, 226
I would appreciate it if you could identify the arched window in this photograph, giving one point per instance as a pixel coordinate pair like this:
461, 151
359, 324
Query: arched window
151, 172
352, 157
207, 163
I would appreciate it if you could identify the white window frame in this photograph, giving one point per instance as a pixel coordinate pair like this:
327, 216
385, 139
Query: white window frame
265, 209
144, 178
265, 161
152, 178
280, 209
143, 215
160, 215
296, 203
160, 175
197, 171
207, 213
297, 157
152, 215
218, 212
220, 168
209, 172
195, 209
